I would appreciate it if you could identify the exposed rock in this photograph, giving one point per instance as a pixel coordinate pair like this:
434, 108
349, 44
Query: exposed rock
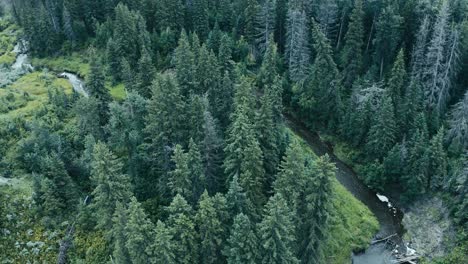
429, 229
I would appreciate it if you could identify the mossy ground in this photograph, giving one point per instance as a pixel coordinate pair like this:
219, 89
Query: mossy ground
352, 225
76, 63
29, 93
8, 33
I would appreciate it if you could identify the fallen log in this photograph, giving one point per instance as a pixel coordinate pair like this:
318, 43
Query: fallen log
383, 239
409, 259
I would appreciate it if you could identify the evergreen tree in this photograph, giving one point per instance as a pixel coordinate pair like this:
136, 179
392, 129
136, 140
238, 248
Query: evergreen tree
196, 170
419, 51
268, 137
184, 62
322, 93
119, 237
206, 71
212, 149
437, 161
225, 54
171, 14
210, 230
95, 85
237, 201
416, 173
243, 153
458, 125
111, 186
146, 73
297, 53
269, 70
315, 209
266, 21
387, 36
180, 181
249, 20
195, 120
277, 232
242, 245
221, 100
382, 135
200, 18
139, 231
396, 86
290, 178
57, 190
351, 55
162, 249
182, 230
165, 125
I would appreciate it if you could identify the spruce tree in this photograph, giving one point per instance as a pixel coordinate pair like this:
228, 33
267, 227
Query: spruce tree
237, 201
111, 186
437, 161
195, 167
146, 73
95, 86
315, 209
184, 62
221, 100
266, 22
290, 178
416, 173
276, 233
200, 18
269, 70
351, 55
382, 135
58, 190
322, 93
268, 137
212, 149
242, 245
243, 153
387, 36
210, 230
139, 231
297, 54
458, 125
180, 181
162, 249
119, 236
165, 126
182, 230
396, 86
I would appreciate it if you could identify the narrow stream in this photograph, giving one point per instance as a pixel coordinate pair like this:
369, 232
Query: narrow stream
389, 217
22, 63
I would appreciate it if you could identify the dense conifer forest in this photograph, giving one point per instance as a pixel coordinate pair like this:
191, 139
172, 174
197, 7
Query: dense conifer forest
183, 131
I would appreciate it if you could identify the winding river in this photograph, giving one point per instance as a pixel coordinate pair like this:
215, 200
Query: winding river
389, 217
22, 63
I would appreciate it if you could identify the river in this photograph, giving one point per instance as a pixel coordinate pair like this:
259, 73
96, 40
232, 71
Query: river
22, 63
389, 217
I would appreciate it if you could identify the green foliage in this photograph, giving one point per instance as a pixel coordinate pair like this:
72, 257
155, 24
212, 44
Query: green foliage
242, 245
277, 233
110, 186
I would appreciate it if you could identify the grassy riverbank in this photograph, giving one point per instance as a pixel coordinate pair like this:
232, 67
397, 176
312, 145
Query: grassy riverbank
352, 225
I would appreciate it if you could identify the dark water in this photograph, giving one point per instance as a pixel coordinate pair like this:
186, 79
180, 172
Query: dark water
390, 218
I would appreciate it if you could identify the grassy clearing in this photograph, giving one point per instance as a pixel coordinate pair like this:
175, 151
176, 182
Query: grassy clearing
117, 92
76, 63
29, 93
352, 225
